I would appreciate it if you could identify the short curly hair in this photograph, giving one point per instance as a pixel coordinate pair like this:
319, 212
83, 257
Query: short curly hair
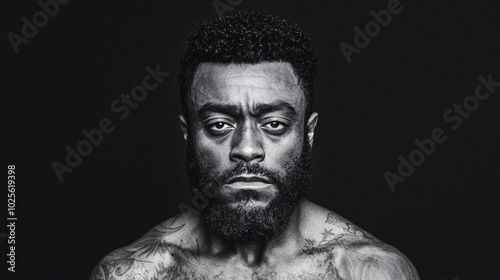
249, 38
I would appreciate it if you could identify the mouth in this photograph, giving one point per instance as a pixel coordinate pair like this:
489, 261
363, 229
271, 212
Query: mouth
248, 182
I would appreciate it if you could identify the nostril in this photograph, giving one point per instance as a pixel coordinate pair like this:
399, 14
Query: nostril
247, 152
247, 146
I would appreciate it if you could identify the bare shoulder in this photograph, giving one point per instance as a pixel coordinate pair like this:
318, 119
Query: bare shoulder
378, 262
356, 253
154, 255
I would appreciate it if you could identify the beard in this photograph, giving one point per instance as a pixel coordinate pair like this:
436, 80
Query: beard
245, 222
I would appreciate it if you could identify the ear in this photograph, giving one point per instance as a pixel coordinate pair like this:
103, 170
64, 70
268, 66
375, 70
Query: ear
311, 125
184, 126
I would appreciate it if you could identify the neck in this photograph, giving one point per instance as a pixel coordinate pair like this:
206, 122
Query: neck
256, 252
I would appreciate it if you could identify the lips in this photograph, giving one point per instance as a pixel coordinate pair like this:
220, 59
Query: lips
248, 179
248, 182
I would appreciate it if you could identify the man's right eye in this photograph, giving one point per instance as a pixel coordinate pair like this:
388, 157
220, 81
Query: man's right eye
218, 128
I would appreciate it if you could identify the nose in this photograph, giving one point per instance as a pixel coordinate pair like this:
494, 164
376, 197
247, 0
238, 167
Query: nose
247, 146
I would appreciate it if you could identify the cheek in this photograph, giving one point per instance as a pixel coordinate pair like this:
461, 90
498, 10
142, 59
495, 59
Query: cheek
285, 151
210, 153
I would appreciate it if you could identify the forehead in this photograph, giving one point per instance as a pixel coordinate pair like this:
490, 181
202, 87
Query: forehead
245, 84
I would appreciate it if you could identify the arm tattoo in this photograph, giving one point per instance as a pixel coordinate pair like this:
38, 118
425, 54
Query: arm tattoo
341, 232
119, 262
370, 257
350, 233
153, 242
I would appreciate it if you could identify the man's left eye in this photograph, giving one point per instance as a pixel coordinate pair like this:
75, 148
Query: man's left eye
275, 126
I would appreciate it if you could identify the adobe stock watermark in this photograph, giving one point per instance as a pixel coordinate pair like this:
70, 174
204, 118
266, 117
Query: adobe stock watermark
30, 28
453, 116
222, 7
200, 201
120, 106
372, 29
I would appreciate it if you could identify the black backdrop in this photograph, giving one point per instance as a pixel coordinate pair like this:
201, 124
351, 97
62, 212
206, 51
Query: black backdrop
443, 217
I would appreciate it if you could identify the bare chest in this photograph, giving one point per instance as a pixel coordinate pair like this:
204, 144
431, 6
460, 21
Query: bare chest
308, 267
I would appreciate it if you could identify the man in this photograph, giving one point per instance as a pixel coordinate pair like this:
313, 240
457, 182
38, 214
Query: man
246, 89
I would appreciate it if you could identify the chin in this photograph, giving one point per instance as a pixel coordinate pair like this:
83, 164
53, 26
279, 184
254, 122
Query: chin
251, 204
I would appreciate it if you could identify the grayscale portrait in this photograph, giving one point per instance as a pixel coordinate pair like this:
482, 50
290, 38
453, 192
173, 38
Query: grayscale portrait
246, 88
260, 140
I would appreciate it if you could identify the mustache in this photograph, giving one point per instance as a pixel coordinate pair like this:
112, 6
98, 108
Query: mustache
256, 169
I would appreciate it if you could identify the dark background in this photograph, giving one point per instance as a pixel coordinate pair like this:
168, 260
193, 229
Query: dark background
443, 217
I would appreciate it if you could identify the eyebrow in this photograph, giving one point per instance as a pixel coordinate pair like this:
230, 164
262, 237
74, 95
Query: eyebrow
231, 110
262, 109
258, 110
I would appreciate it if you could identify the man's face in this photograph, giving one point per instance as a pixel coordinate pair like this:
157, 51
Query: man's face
248, 148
